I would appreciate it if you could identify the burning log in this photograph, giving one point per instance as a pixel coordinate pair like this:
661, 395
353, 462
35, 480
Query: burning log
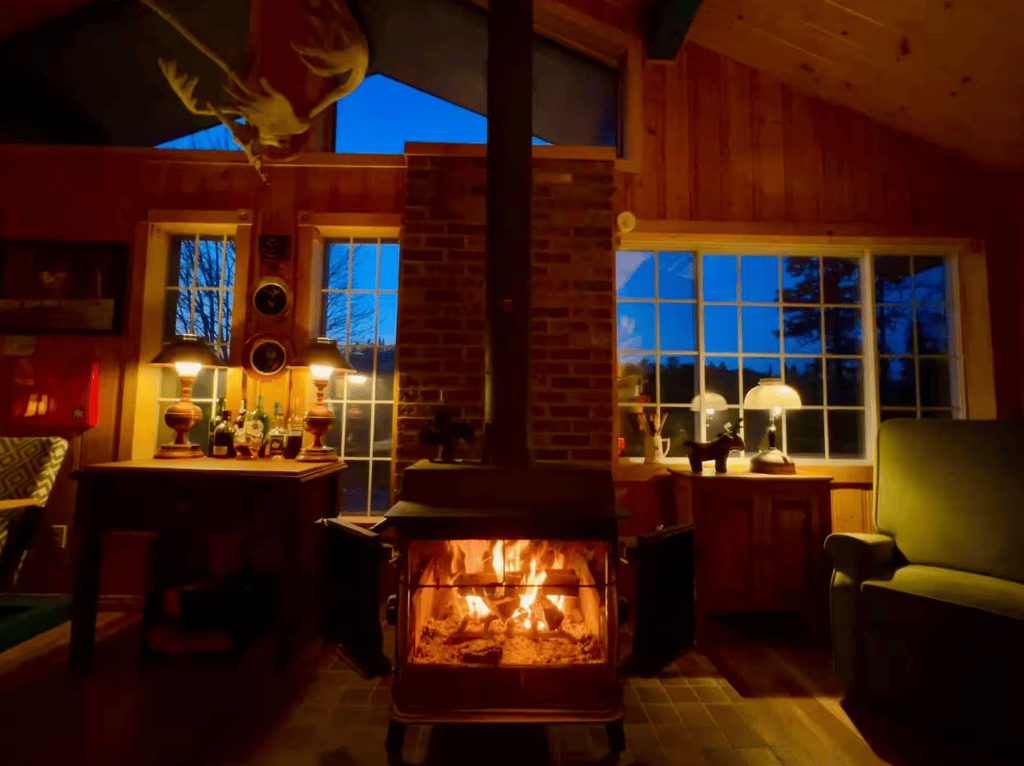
490, 655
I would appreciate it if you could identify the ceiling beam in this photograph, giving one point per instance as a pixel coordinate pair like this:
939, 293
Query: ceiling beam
670, 21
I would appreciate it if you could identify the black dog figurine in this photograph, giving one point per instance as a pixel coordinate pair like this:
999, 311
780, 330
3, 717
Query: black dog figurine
718, 450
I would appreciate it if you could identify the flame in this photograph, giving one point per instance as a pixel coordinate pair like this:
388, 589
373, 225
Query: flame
477, 606
498, 559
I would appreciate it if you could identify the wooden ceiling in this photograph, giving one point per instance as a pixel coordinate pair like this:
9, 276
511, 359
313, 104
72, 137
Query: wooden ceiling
949, 71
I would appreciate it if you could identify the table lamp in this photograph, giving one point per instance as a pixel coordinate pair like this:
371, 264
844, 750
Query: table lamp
187, 355
708, 403
773, 395
322, 357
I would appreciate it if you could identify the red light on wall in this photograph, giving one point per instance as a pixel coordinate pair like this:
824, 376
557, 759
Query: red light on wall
56, 392
622, 443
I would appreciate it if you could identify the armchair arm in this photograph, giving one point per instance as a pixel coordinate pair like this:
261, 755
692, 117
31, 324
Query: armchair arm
858, 555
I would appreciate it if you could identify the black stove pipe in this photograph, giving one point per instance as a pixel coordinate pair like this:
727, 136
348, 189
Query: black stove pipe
509, 184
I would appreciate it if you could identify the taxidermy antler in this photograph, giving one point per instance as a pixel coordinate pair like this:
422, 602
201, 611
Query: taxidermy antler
337, 47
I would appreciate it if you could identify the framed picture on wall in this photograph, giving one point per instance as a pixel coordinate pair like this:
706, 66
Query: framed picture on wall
61, 287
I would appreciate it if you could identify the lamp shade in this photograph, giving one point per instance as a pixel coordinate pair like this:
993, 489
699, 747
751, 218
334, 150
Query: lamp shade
708, 401
770, 393
322, 352
188, 349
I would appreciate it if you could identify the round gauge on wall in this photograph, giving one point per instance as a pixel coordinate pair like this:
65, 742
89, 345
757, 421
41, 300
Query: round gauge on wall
271, 297
267, 355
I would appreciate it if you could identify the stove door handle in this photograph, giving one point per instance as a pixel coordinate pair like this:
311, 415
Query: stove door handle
391, 610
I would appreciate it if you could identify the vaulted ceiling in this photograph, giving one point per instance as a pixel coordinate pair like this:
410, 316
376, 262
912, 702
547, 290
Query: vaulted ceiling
948, 71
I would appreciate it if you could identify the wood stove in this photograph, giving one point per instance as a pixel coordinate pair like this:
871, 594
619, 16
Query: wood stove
505, 608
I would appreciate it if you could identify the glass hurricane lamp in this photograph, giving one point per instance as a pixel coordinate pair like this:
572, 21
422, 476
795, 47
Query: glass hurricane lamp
775, 396
187, 356
322, 357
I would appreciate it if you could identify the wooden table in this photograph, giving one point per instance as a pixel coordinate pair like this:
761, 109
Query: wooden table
194, 496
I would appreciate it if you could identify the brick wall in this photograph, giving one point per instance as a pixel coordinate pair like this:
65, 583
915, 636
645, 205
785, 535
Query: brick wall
440, 344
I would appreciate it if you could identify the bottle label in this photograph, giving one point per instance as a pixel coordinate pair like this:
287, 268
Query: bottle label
220, 451
254, 428
276, 442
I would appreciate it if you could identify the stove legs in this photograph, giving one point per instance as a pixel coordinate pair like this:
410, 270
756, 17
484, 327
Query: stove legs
616, 736
396, 738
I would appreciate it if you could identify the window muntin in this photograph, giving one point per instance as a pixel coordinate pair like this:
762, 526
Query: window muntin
199, 289
717, 321
360, 302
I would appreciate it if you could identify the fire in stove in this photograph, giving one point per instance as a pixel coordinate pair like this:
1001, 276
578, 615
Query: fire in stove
508, 602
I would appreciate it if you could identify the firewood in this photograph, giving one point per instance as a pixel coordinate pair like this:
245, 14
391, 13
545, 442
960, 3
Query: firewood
489, 656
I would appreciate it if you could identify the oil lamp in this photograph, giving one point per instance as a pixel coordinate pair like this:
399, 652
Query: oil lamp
322, 357
187, 355
775, 396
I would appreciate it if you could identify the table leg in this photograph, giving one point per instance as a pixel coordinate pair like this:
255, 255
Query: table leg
88, 553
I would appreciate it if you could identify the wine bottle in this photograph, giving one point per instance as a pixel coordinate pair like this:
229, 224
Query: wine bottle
214, 422
257, 424
239, 430
223, 437
293, 444
276, 437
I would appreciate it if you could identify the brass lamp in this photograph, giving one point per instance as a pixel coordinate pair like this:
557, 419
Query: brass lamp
773, 395
187, 355
708, 403
322, 357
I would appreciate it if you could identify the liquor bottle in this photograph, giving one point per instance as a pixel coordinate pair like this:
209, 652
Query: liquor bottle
294, 441
223, 437
239, 433
277, 436
214, 422
257, 424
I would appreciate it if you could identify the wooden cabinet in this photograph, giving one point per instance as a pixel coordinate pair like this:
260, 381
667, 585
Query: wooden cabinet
759, 543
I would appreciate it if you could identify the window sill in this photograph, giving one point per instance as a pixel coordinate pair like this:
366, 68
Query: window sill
846, 474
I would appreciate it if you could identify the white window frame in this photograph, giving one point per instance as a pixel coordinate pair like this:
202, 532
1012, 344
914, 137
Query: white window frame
962, 255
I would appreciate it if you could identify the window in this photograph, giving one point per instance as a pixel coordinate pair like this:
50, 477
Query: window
707, 321
216, 137
200, 281
360, 302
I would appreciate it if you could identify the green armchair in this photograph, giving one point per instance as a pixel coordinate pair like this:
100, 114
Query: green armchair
928, 614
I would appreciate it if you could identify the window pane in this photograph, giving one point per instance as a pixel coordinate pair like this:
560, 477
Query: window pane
630, 430
364, 265
760, 278
755, 431
387, 318
357, 430
332, 438
385, 374
892, 279
890, 414
636, 378
179, 269
939, 414
761, 329
388, 266
675, 275
757, 367
380, 492
842, 331
336, 268
932, 331
176, 310
229, 264
207, 324
355, 482
840, 279
896, 382
225, 324
634, 274
680, 426
935, 383
361, 318
929, 279
800, 279
382, 430
676, 323
679, 379
359, 383
805, 376
722, 376
801, 331
203, 387
845, 382
209, 262
335, 316
846, 433
636, 325
805, 433
894, 326
170, 386
720, 419
721, 332
718, 273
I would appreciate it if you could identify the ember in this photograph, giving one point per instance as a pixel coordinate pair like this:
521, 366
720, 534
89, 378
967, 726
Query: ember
507, 602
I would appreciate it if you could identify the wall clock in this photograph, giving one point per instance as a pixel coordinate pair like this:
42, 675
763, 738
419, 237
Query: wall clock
266, 356
271, 297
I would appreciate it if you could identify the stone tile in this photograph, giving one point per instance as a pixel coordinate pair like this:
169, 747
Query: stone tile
639, 683
659, 757
381, 694
694, 714
730, 692
709, 737
356, 696
758, 756
641, 738
682, 694
665, 713
636, 714
723, 756
629, 695
689, 756
652, 694
701, 680
711, 694
674, 681
674, 735
735, 727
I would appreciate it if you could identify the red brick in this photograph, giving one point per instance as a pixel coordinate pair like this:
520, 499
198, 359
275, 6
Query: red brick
467, 228
446, 241
422, 255
592, 368
551, 454
551, 426
552, 397
570, 440
591, 454
570, 382
550, 368
570, 412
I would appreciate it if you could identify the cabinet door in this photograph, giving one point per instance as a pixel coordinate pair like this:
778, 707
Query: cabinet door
724, 537
783, 541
